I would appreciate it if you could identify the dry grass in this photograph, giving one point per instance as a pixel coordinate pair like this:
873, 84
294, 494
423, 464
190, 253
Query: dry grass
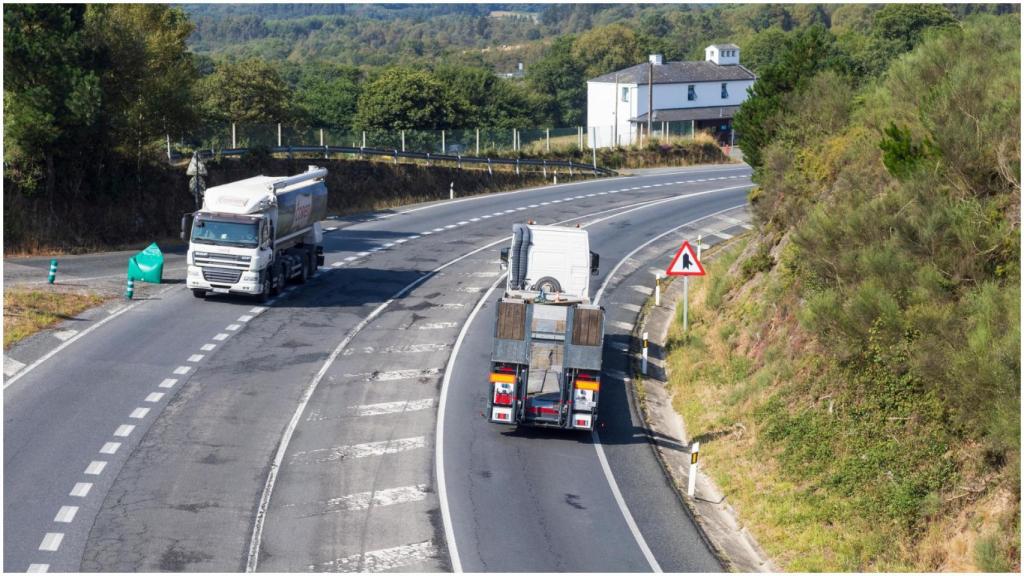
27, 311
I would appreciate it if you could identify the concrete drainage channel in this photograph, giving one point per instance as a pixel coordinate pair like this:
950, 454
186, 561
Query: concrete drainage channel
719, 523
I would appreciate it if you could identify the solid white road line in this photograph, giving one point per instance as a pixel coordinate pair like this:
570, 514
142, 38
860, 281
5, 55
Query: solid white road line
51, 542
81, 489
66, 514
21, 372
110, 448
380, 560
168, 383
124, 430
95, 468
353, 451
154, 397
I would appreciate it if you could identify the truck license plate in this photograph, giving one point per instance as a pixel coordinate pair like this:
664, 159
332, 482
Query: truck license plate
221, 290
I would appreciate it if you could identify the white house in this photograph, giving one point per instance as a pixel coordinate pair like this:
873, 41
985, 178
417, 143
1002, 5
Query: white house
687, 96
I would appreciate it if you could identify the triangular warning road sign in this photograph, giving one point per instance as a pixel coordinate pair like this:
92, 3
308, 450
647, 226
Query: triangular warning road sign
685, 263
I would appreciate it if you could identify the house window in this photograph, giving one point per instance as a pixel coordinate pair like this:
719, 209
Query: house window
725, 91
625, 94
691, 92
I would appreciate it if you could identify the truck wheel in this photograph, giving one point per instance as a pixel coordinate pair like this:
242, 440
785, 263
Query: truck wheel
199, 293
264, 294
547, 284
277, 284
312, 264
304, 272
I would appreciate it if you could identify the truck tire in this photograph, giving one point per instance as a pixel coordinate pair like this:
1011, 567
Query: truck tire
277, 283
312, 263
264, 295
199, 293
303, 272
548, 285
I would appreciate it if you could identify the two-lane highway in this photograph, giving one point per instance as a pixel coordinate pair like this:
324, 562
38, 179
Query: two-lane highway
219, 435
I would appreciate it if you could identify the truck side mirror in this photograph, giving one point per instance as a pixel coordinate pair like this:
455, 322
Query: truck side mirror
595, 264
186, 225
504, 258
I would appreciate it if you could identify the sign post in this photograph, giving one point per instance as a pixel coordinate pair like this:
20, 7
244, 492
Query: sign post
686, 263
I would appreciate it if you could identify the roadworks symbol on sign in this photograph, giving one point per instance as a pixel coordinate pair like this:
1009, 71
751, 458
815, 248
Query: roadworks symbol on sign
685, 263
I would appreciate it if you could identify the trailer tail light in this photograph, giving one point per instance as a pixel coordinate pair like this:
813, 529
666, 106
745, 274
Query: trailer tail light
585, 381
497, 377
582, 421
503, 393
501, 415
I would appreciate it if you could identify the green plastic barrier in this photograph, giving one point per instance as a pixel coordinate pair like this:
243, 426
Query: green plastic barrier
147, 265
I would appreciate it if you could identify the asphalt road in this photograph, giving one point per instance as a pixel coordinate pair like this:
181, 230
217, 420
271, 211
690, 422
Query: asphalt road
148, 444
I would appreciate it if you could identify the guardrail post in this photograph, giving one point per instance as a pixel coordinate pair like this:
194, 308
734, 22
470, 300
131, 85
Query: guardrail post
477, 141
403, 140
278, 134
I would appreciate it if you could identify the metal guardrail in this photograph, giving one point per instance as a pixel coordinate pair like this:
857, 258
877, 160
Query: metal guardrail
396, 154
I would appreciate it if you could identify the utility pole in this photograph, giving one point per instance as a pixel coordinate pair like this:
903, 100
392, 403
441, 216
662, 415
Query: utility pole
650, 96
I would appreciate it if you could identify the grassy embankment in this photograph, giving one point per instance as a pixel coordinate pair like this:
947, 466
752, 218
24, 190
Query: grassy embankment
27, 311
853, 369
668, 151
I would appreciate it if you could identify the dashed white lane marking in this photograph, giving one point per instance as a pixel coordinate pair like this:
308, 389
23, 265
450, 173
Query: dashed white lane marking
168, 383
207, 347
656, 185
81, 489
647, 290
438, 230
64, 335
51, 542
413, 237
220, 337
363, 254
124, 430
401, 241
486, 216
437, 325
622, 325
395, 375
38, 568
154, 397
196, 357
498, 214
364, 500
427, 233
95, 468
474, 219
545, 203
11, 366
631, 307
521, 208
66, 514
245, 318
590, 195
257, 309
408, 349
470, 289
462, 223
139, 413
568, 199
380, 560
381, 409
534, 206
233, 327
372, 250
321, 455
645, 187
110, 448
556, 201
509, 211
182, 369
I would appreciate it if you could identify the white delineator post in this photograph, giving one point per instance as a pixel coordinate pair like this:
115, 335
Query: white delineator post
657, 288
451, 192
643, 361
691, 483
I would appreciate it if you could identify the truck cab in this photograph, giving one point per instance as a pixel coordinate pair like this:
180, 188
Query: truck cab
549, 261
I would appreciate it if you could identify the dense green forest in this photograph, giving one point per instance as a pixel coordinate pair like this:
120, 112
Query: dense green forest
869, 334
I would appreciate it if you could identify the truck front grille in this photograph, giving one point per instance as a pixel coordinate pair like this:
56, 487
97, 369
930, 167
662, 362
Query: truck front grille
221, 275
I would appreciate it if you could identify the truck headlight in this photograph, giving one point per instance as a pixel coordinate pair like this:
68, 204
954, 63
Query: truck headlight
250, 276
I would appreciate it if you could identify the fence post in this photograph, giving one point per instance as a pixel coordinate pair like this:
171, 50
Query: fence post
321, 136
444, 149
364, 139
547, 138
234, 143
477, 141
168, 147
278, 134
403, 140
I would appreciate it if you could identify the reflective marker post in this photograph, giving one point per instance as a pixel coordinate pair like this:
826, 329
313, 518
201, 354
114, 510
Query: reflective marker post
657, 289
643, 363
451, 192
691, 484
130, 292
53, 271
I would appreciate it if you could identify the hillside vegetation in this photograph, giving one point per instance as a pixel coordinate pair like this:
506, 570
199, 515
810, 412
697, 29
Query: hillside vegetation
855, 365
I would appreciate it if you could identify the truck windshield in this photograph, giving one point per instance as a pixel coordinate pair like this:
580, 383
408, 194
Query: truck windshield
225, 233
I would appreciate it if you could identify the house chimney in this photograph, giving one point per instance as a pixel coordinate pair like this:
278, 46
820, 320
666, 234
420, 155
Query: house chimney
656, 59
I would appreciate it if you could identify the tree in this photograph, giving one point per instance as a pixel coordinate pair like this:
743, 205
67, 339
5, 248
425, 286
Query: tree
559, 79
326, 94
606, 49
404, 99
250, 91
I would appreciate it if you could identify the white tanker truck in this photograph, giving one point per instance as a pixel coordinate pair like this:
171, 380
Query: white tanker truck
253, 235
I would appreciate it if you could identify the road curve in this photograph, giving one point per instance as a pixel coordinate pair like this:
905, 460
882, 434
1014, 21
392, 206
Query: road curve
147, 445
